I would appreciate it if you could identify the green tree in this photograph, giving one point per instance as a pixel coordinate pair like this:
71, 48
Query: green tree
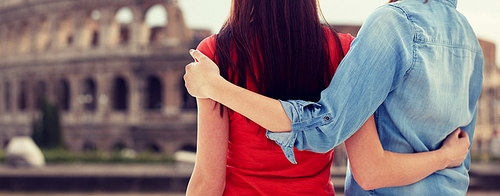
47, 132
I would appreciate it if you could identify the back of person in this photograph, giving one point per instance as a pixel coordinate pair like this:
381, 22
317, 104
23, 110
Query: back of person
257, 166
441, 87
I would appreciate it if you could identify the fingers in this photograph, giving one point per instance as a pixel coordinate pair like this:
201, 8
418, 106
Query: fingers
458, 134
462, 135
197, 55
465, 136
187, 68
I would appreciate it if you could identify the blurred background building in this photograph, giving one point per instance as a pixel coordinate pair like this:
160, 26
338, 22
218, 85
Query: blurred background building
115, 67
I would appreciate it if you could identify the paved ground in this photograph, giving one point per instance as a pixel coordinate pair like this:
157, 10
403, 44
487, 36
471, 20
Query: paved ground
65, 170
481, 173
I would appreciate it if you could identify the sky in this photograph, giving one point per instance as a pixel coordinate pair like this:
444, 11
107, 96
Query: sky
483, 15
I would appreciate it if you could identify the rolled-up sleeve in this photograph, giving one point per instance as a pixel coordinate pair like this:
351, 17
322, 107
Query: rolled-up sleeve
376, 63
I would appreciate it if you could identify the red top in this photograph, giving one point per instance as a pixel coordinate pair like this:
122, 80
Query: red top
257, 166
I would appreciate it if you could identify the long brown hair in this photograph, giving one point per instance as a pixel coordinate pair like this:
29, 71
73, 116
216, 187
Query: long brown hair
280, 47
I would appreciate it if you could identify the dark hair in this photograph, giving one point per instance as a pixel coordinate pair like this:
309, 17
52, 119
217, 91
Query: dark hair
280, 46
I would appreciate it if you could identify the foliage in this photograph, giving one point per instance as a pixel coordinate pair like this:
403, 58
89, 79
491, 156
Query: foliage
60, 155
47, 134
63, 156
47, 131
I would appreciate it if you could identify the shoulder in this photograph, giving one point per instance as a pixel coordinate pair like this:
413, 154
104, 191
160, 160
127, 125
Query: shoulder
345, 40
389, 10
207, 46
389, 24
389, 14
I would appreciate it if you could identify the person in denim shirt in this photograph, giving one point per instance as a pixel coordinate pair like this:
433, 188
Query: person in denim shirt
415, 66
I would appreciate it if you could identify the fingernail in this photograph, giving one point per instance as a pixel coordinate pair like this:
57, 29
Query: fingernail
191, 51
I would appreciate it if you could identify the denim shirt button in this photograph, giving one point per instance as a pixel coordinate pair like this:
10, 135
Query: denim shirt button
327, 118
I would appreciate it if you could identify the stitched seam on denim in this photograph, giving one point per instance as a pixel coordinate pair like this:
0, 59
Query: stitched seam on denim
312, 123
470, 48
318, 121
407, 72
422, 40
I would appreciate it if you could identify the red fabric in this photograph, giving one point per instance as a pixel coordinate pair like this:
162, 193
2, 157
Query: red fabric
257, 166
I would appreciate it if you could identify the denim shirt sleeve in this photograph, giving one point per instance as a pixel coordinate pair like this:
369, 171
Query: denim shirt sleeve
377, 62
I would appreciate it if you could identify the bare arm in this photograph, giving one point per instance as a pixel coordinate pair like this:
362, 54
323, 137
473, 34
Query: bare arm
209, 174
373, 168
207, 83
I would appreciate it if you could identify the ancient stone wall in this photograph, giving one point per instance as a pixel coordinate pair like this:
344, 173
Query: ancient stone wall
488, 117
117, 82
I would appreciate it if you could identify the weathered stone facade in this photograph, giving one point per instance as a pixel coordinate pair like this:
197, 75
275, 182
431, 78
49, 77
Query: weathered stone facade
117, 84
488, 117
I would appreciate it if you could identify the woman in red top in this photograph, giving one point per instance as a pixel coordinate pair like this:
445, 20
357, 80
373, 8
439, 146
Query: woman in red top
234, 156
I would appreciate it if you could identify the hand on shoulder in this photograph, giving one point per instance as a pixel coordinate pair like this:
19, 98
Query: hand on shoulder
201, 75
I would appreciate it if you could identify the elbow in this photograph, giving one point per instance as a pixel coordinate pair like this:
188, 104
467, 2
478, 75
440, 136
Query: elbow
366, 184
365, 180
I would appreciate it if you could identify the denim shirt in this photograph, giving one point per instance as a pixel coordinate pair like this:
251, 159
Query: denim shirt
418, 68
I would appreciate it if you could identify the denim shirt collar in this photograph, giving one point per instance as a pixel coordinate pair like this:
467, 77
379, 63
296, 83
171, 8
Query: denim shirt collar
452, 3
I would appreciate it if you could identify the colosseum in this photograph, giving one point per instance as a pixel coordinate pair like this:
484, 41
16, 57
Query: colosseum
117, 80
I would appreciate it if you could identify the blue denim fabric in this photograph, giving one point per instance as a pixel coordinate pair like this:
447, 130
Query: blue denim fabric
418, 67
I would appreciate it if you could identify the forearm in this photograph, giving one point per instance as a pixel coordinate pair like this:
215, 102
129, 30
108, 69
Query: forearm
373, 168
265, 111
394, 169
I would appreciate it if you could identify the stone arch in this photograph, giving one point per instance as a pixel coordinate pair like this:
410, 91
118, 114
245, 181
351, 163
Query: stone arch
7, 93
91, 29
155, 23
121, 26
188, 101
188, 147
40, 93
88, 97
153, 147
63, 94
24, 38
23, 96
154, 93
5, 142
65, 31
43, 33
120, 94
119, 145
89, 146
